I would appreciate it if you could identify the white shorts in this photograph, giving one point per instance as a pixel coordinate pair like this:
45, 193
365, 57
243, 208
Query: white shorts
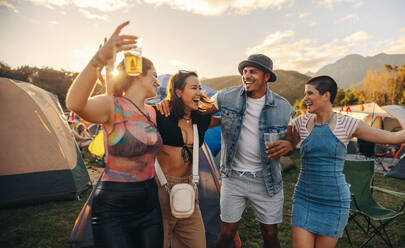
242, 187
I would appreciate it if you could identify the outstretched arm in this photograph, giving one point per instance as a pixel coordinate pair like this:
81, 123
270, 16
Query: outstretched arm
375, 135
97, 109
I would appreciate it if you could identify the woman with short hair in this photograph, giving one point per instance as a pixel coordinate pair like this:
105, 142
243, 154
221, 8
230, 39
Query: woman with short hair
321, 200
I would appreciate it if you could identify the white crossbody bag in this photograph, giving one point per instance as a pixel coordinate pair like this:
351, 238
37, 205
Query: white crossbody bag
182, 195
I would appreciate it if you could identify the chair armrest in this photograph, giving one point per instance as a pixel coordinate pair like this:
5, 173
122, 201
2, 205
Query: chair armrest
399, 194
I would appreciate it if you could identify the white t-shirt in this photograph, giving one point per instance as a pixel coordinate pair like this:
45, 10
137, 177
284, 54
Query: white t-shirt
247, 157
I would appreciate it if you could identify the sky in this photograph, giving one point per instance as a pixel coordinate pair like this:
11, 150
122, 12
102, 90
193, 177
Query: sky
208, 36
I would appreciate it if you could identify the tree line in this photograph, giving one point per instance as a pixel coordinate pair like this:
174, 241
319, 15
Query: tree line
385, 86
47, 78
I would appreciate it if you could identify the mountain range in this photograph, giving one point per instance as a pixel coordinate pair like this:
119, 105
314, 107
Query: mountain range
353, 68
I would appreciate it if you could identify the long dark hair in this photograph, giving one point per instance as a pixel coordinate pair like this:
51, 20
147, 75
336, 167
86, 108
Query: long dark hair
122, 81
178, 81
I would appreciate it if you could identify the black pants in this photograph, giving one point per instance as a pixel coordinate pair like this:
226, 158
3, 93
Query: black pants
127, 215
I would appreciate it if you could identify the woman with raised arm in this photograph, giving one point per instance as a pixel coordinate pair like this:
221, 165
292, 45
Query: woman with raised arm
125, 210
187, 106
321, 200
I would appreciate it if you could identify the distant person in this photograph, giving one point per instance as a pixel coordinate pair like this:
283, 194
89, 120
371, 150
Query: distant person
82, 136
126, 210
321, 200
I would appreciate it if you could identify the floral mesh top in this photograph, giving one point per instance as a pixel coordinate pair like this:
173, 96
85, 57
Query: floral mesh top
132, 145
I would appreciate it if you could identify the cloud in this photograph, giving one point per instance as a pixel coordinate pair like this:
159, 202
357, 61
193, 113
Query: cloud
395, 46
299, 15
214, 7
301, 55
313, 23
6, 4
357, 5
402, 29
49, 3
201, 7
357, 37
101, 5
303, 15
330, 3
92, 16
53, 22
353, 17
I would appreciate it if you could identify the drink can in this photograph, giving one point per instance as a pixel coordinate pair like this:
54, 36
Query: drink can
133, 61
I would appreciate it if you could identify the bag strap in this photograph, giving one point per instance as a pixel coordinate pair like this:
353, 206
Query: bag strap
196, 177
196, 142
161, 176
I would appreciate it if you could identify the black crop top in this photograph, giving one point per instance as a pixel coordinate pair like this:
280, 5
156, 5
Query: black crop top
171, 132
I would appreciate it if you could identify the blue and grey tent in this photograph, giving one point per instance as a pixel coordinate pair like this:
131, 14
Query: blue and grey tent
39, 157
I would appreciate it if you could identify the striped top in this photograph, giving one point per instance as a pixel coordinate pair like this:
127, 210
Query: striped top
345, 127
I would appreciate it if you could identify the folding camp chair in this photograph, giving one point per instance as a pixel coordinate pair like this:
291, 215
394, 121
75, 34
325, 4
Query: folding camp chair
359, 175
368, 149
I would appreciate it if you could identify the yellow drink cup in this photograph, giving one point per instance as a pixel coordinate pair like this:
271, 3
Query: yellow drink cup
133, 62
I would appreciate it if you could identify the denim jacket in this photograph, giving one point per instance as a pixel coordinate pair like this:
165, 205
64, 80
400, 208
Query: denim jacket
274, 118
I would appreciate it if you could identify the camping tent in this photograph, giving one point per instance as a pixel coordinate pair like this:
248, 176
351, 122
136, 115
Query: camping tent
397, 111
398, 170
389, 118
39, 157
208, 195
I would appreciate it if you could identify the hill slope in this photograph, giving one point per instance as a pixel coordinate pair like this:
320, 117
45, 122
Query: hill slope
289, 84
353, 68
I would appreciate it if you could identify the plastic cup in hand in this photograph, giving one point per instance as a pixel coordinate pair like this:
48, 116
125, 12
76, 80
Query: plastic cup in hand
133, 61
270, 138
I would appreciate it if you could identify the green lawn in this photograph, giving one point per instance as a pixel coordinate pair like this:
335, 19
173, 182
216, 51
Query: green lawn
50, 224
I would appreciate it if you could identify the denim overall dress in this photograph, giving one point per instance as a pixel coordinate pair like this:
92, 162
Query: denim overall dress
321, 198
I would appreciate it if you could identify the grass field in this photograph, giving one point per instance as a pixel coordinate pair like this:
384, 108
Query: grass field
50, 224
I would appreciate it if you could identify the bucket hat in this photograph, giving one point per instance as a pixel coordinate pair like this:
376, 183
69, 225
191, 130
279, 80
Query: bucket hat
260, 61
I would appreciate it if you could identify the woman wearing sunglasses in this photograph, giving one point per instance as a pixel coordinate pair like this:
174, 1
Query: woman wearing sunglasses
187, 106
126, 210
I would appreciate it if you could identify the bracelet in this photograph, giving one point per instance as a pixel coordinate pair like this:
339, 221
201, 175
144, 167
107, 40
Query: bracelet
97, 62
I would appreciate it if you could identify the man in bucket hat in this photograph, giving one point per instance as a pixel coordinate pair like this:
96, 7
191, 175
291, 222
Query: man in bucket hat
249, 174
